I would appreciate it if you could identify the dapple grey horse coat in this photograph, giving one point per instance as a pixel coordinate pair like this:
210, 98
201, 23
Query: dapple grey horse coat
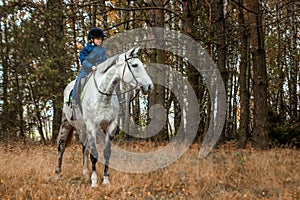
100, 108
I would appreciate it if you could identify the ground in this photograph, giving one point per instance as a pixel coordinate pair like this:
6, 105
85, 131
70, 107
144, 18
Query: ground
27, 172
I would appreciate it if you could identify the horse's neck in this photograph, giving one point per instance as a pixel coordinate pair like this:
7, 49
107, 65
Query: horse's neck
109, 81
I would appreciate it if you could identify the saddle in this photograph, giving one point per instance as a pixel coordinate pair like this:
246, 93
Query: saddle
80, 90
80, 93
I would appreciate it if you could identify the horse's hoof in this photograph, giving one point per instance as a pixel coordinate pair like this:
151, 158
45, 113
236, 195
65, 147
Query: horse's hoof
57, 171
94, 185
57, 177
105, 180
94, 180
86, 175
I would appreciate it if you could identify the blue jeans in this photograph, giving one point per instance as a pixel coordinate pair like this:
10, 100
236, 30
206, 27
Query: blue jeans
80, 75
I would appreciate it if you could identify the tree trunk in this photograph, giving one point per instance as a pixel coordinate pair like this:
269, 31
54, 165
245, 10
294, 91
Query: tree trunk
243, 80
73, 25
158, 95
293, 65
260, 82
4, 54
195, 79
280, 104
156, 19
57, 54
220, 34
19, 105
37, 112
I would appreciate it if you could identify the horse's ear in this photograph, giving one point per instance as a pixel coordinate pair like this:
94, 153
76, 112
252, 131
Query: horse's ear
134, 51
130, 52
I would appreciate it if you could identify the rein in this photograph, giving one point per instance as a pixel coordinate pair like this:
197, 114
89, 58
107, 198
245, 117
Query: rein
110, 94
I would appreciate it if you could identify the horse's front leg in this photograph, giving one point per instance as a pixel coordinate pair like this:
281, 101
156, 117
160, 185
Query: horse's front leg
93, 157
106, 155
107, 151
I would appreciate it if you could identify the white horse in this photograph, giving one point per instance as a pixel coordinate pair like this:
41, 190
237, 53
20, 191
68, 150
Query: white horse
100, 108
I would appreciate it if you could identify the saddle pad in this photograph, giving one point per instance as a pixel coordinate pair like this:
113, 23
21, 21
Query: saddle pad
81, 89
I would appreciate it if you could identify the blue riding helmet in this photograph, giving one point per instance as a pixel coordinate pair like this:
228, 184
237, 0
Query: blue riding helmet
96, 33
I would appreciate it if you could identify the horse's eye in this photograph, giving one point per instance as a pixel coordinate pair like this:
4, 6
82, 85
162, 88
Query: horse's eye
134, 65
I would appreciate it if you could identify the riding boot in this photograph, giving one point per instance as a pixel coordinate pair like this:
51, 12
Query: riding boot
73, 103
73, 106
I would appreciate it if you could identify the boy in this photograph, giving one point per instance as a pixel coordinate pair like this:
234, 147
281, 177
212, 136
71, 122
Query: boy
90, 56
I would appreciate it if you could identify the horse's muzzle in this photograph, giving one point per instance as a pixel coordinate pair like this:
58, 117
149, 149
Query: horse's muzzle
147, 88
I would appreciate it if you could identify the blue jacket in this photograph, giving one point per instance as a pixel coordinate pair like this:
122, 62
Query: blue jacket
91, 55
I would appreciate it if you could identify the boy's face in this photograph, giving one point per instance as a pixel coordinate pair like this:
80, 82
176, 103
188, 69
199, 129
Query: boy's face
97, 41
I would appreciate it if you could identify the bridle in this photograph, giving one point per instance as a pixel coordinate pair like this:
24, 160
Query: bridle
129, 67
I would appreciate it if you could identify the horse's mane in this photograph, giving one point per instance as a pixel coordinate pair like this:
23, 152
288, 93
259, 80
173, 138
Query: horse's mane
108, 63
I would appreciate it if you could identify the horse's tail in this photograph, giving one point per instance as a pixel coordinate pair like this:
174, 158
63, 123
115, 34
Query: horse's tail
69, 139
65, 133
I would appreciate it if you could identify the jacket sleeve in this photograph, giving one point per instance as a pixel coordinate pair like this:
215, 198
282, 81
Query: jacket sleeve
83, 54
84, 62
87, 65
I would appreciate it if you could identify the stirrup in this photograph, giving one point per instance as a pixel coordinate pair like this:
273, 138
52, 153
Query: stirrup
73, 116
73, 104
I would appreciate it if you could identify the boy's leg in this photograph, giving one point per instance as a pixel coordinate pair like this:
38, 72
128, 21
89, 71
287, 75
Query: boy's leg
75, 89
74, 92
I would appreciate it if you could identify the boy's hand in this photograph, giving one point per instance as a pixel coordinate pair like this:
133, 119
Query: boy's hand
94, 68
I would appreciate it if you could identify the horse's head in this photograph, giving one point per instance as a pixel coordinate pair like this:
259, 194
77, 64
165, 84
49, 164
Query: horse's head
134, 72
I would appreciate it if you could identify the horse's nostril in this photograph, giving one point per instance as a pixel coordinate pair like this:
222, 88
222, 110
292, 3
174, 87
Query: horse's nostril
151, 86
147, 88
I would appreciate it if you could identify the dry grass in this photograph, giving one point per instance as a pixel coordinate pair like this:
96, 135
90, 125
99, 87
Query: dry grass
27, 172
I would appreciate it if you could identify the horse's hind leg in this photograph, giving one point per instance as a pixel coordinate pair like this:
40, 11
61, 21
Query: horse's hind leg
65, 135
85, 154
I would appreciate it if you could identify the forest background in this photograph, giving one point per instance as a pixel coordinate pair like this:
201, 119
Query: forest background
255, 45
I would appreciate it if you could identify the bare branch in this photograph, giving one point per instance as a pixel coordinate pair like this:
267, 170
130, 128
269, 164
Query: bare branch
146, 8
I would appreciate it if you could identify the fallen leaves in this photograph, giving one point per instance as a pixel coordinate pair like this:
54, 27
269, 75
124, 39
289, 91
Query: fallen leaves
27, 172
